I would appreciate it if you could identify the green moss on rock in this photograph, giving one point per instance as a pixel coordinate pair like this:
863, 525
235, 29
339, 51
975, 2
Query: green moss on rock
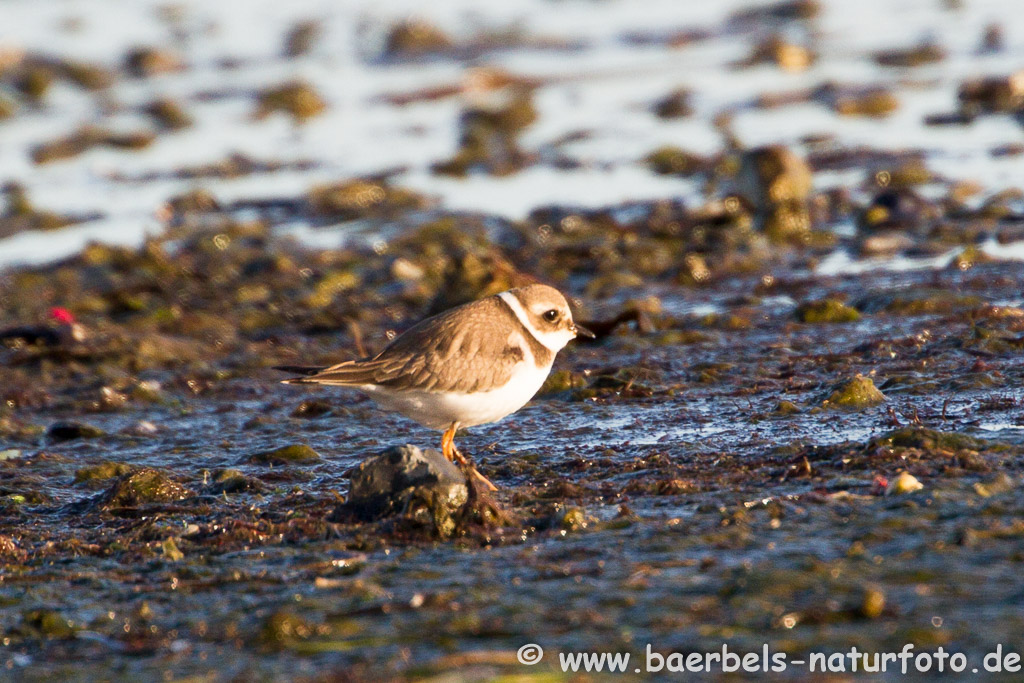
145, 486
670, 160
171, 551
786, 408
562, 380
859, 392
930, 440
295, 453
66, 431
104, 470
826, 311
48, 623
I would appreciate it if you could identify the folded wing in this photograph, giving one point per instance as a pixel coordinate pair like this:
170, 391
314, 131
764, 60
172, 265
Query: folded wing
462, 350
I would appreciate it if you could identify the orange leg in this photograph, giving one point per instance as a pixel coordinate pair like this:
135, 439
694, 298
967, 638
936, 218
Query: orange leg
452, 453
448, 441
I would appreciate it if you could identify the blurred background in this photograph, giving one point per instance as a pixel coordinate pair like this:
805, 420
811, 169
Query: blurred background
116, 114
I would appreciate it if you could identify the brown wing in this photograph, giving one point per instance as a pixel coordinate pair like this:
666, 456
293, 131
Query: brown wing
464, 350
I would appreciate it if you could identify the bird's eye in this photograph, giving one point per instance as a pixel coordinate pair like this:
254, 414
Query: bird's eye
551, 316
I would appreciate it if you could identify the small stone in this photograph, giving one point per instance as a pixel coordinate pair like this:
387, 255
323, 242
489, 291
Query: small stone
105, 470
994, 94
774, 175
930, 440
359, 198
859, 392
283, 628
925, 53
873, 603
826, 311
562, 380
968, 258
296, 453
10, 454
888, 242
48, 623
234, 481
9, 549
1002, 483
993, 40
169, 114
311, 409
787, 222
171, 551
876, 103
573, 518
675, 105
301, 37
149, 391
670, 160
66, 431
147, 485
422, 485
416, 38
297, 98
904, 483
142, 428
694, 269
786, 408
777, 50
142, 62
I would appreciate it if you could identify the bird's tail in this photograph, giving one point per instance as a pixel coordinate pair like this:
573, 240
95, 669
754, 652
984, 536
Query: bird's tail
304, 370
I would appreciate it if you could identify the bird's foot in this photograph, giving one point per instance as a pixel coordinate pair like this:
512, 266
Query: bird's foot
464, 461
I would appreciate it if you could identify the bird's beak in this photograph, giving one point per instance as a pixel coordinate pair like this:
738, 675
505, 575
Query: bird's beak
581, 331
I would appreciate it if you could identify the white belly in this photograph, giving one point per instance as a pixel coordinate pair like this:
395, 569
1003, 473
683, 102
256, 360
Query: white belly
438, 410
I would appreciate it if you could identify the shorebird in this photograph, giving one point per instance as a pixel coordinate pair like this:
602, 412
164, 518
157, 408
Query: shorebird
467, 366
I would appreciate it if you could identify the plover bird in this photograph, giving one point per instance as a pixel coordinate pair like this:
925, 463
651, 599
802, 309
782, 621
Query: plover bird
470, 365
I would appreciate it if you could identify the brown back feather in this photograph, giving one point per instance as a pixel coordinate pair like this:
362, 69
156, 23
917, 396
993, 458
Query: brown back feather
462, 350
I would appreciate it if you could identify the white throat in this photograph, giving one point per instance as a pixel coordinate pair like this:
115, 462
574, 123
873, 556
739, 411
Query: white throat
555, 341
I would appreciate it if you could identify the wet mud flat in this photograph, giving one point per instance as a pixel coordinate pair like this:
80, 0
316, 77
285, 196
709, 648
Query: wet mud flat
808, 461
797, 228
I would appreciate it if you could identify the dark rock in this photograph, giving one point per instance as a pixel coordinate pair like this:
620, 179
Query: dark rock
925, 53
669, 160
779, 51
47, 623
772, 175
489, 133
855, 394
145, 486
143, 62
104, 470
363, 198
993, 94
420, 485
297, 98
826, 311
676, 104
296, 453
234, 481
993, 40
66, 431
301, 38
168, 114
311, 409
416, 39
931, 439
